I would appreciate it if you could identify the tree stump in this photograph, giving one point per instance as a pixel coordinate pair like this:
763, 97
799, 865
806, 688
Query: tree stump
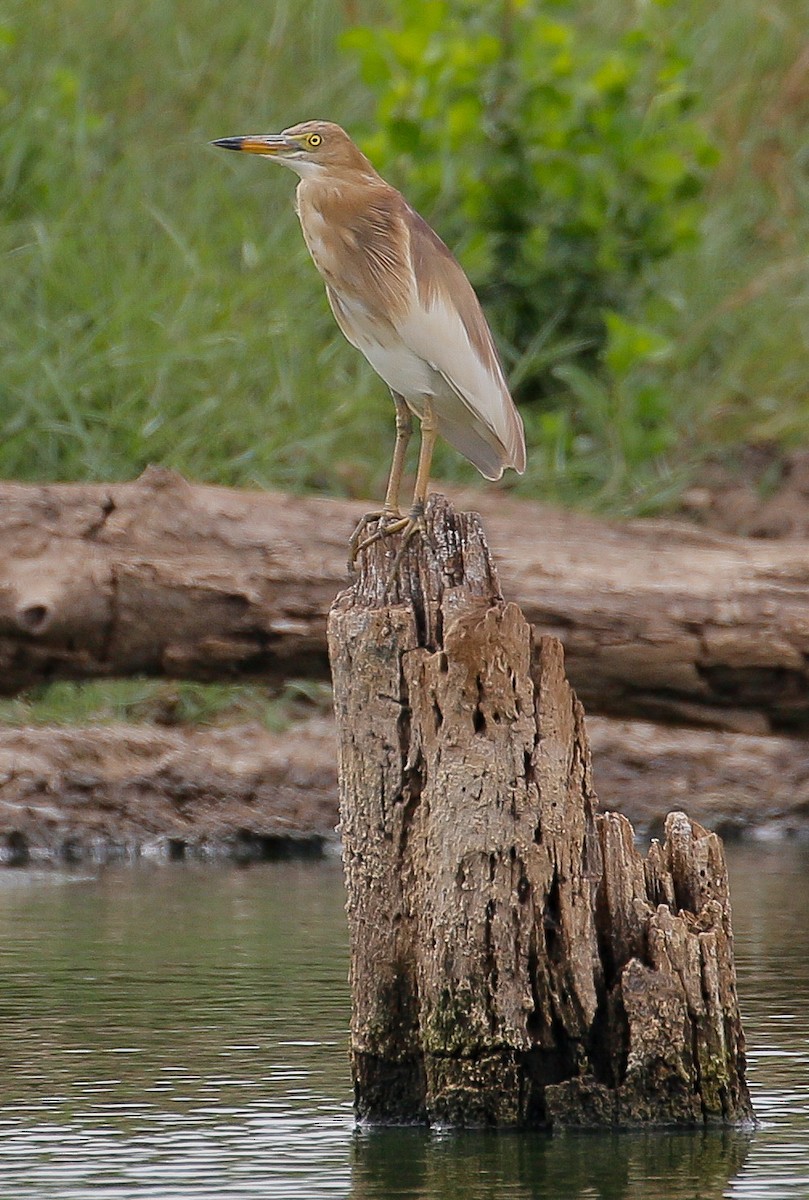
514, 961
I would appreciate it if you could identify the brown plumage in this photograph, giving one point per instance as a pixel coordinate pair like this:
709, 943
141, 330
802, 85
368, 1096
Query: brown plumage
401, 297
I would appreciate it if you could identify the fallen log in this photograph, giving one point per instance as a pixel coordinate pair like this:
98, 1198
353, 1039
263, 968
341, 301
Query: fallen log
161, 577
514, 961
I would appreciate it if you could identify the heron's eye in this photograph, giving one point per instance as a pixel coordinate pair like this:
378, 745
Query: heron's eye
314, 139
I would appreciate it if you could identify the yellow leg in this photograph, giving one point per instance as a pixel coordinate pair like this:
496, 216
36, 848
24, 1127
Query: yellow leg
428, 436
390, 508
404, 428
414, 522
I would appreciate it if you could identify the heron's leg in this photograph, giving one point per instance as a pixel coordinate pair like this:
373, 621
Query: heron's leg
429, 432
404, 428
414, 522
415, 518
390, 508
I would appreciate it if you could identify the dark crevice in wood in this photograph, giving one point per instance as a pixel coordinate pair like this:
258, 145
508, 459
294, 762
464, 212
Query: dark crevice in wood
105, 511
534, 1022
551, 920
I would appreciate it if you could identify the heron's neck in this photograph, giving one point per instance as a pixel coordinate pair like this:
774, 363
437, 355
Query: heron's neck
333, 184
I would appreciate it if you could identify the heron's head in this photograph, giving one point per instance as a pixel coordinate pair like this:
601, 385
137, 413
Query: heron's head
312, 149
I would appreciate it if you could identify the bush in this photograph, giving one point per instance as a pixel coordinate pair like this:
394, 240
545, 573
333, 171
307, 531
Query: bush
558, 170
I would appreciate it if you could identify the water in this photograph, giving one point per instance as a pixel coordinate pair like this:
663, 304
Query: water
180, 1032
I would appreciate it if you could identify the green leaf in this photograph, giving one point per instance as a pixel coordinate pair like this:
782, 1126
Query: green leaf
405, 135
566, 164
630, 344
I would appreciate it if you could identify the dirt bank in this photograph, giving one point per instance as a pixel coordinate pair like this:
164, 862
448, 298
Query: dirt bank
121, 792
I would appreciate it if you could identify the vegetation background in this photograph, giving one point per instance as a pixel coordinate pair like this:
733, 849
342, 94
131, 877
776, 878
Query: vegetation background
157, 304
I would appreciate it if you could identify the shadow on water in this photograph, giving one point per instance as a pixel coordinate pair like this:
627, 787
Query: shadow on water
416, 1165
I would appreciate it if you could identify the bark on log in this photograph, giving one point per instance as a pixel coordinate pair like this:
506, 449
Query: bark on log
513, 960
160, 577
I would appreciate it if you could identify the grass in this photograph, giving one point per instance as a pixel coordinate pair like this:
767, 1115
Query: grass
166, 703
158, 304
743, 333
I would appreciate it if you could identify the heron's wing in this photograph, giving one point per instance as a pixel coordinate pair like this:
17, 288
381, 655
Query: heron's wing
445, 325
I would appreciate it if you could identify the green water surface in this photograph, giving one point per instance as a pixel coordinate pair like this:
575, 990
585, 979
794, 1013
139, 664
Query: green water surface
180, 1032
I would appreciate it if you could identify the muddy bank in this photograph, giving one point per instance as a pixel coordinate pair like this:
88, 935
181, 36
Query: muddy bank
123, 792
117, 793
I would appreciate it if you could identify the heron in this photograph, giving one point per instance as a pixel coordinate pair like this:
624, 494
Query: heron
400, 297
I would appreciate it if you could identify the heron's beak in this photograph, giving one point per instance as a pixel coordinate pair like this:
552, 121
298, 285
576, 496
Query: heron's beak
269, 143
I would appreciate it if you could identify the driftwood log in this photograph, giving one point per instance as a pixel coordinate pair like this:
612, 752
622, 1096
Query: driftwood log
514, 961
163, 578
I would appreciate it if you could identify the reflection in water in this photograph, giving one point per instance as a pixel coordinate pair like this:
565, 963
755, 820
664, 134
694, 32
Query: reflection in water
414, 1164
173, 1033
181, 1032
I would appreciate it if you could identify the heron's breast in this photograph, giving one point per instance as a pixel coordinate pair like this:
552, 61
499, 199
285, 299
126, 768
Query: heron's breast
325, 247
355, 255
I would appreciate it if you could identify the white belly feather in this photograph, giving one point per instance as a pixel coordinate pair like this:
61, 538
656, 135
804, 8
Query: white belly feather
404, 371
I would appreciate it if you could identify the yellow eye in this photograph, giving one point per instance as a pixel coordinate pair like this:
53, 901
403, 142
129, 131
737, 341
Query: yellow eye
314, 139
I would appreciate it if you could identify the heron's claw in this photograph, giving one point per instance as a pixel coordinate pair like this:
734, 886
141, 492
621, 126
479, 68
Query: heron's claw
388, 521
407, 526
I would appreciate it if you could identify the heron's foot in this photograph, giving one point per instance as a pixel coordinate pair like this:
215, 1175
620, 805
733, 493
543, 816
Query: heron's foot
408, 526
389, 523
388, 520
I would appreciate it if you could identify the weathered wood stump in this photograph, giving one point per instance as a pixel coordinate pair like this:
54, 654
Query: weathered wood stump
514, 961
